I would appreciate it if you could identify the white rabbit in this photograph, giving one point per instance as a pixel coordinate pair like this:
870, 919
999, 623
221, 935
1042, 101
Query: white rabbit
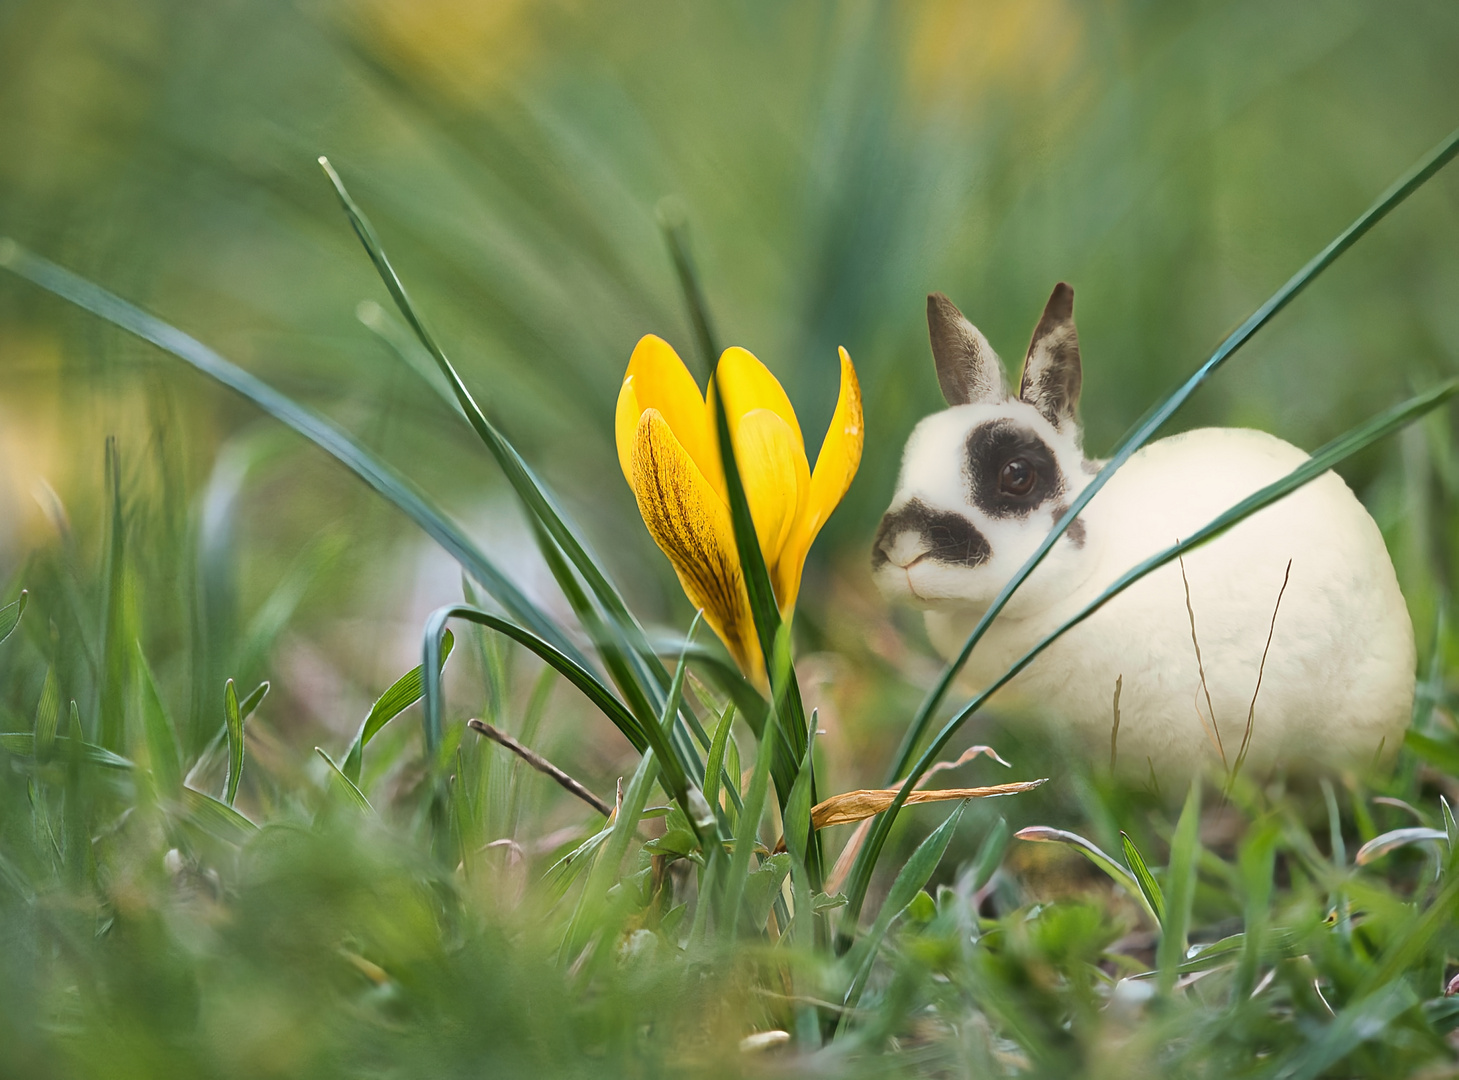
983, 482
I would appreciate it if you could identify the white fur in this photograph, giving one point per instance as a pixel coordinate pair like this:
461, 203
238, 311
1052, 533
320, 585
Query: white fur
1339, 678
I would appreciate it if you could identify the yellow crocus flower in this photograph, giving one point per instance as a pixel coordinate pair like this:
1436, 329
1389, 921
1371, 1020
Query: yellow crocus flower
669, 451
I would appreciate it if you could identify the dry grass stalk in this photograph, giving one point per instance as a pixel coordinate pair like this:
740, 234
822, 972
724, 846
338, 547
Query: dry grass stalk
1213, 730
860, 805
858, 838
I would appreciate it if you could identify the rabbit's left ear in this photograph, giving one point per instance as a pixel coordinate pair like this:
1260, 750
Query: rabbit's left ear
1051, 372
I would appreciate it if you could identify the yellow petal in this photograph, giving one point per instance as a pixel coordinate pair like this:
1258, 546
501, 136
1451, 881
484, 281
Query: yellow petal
836, 466
691, 524
748, 385
657, 379
776, 478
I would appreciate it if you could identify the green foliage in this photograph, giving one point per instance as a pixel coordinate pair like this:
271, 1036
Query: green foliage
438, 907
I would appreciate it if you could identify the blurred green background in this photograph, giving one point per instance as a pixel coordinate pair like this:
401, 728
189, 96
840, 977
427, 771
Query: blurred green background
834, 163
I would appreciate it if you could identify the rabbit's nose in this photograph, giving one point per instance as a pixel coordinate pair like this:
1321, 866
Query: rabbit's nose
900, 547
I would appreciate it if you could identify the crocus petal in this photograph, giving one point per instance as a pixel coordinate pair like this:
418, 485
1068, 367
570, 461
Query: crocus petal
657, 379
748, 385
691, 524
836, 466
776, 477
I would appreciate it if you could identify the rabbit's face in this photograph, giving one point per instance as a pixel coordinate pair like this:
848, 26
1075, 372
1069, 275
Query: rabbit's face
983, 481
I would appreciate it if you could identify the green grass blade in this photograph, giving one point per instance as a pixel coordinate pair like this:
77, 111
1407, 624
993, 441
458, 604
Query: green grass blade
577, 674
533, 493
158, 731
714, 764
322, 433
47, 715
1390, 841
910, 880
10, 614
353, 793
990, 855
1094, 853
118, 634
402, 694
796, 819
1416, 177
1320, 462
676, 234
215, 817
789, 747
1365, 1019
253, 700
1154, 898
1185, 849
22, 744
747, 833
233, 723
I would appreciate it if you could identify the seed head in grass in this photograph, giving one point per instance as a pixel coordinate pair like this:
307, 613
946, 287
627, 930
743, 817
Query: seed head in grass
670, 456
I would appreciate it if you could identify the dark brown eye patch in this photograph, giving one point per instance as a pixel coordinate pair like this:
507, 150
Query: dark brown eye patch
1011, 471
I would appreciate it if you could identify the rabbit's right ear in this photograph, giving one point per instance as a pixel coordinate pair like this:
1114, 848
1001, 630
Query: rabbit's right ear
968, 370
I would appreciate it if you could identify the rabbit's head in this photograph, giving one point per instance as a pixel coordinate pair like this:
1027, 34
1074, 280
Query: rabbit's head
983, 481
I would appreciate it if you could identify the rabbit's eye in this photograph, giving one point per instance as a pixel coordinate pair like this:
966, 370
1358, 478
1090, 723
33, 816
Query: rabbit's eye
1017, 477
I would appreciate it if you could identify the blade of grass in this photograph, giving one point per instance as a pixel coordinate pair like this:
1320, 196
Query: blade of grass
322, 433
1180, 876
247, 706
763, 607
535, 495
117, 634
233, 723
1405, 186
158, 730
47, 715
1320, 462
674, 226
215, 817
910, 880
10, 614
1154, 898
747, 833
1387, 842
353, 793
402, 694
576, 673
634, 667
714, 763
1094, 853
22, 744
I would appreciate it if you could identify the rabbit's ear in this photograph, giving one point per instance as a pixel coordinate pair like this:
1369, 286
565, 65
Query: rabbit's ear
1051, 371
968, 369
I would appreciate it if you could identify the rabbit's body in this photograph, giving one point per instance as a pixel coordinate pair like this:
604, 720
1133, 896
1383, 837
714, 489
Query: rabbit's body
1338, 679
984, 481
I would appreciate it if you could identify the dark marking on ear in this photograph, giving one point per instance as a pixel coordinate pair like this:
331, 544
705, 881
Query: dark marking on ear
944, 537
968, 369
1052, 374
1075, 532
992, 446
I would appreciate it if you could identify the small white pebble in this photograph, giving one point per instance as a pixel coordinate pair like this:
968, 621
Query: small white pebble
761, 1041
1132, 993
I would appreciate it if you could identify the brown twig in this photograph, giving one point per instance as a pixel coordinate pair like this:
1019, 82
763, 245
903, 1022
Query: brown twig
1200, 667
541, 764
